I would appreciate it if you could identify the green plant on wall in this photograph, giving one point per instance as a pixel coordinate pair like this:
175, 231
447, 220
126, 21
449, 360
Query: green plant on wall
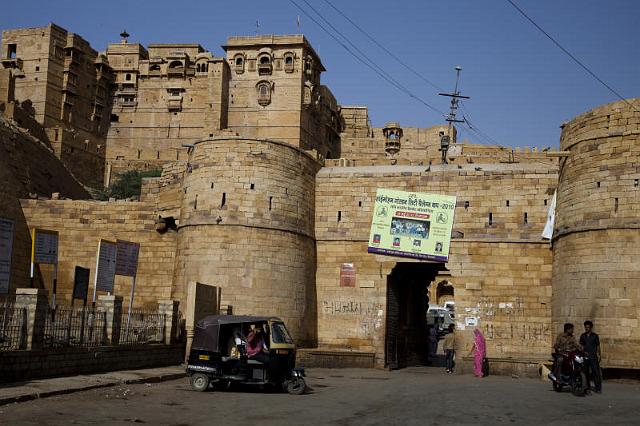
128, 184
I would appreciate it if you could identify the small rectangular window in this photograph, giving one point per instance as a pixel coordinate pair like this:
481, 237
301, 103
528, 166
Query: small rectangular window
466, 204
339, 215
507, 203
224, 199
490, 218
12, 51
526, 218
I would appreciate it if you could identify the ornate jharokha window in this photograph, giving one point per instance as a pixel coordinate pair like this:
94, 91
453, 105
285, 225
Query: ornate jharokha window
238, 64
264, 64
289, 62
264, 89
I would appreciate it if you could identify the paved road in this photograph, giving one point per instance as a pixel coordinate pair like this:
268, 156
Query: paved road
340, 397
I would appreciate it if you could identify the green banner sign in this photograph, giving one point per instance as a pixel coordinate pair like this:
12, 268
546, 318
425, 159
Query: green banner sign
412, 224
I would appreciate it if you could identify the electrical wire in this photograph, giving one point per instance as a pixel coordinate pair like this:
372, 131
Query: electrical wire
364, 59
473, 129
378, 70
576, 60
374, 41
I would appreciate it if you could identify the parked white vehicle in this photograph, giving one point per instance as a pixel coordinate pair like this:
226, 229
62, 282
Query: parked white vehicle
440, 317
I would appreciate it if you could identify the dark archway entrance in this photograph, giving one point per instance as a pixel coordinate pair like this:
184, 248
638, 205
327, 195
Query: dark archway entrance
406, 340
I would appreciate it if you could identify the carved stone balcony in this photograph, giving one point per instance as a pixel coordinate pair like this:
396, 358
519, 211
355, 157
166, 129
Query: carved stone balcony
174, 103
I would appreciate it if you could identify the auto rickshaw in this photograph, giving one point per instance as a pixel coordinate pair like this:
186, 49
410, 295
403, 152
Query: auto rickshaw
218, 355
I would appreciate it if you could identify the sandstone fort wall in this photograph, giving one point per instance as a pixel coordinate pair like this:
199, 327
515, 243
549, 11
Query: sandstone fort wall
81, 224
28, 167
501, 272
247, 226
597, 232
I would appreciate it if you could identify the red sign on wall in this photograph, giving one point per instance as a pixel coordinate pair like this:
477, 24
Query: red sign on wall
347, 275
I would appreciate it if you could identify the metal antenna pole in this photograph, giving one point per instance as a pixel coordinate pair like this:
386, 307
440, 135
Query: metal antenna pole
445, 140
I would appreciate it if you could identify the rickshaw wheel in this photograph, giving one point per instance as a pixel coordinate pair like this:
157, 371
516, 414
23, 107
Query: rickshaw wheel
296, 386
199, 382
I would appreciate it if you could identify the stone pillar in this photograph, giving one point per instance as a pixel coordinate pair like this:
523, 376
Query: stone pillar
34, 300
112, 307
170, 309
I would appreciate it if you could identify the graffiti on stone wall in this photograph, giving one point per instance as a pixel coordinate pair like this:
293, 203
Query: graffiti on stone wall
370, 315
350, 307
519, 331
495, 306
501, 319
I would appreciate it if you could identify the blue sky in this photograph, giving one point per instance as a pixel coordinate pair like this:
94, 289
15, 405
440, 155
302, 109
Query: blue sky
522, 87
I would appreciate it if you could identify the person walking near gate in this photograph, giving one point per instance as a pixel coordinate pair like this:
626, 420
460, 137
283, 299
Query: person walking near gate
590, 341
479, 352
448, 345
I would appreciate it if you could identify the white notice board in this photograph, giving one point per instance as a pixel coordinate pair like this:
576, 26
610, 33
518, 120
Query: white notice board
45, 246
6, 246
106, 266
127, 258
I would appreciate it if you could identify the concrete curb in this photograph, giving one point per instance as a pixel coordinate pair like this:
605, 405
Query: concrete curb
46, 394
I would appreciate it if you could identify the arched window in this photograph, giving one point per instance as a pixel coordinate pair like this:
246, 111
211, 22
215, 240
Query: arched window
264, 64
154, 67
175, 64
289, 62
127, 77
264, 92
238, 63
197, 67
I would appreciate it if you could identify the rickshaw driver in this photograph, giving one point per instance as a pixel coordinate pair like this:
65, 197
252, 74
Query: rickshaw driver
256, 346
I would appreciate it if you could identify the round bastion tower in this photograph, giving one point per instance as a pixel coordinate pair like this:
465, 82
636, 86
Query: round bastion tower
247, 226
596, 242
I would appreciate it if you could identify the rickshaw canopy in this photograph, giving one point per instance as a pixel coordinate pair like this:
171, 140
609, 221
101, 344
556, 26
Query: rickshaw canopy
207, 331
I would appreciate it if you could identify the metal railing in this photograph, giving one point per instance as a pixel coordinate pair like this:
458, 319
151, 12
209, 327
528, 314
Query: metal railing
13, 327
143, 327
81, 326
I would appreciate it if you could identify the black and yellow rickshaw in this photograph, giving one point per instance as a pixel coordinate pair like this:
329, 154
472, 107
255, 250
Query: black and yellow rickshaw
218, 354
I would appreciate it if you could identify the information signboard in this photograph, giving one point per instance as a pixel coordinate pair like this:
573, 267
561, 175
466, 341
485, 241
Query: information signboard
347, 275
6, 248
127, 258
106, 266
81, 283
412, 224
44, 247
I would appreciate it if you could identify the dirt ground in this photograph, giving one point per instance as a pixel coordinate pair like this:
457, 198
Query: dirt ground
410, 396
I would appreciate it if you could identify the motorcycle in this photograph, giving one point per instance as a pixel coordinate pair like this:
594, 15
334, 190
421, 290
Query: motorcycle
572, 373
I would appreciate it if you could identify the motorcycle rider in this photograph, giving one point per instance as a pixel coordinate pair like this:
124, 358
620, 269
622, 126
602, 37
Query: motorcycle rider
565, 343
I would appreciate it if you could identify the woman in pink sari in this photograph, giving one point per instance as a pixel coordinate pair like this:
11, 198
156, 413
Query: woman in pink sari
479, 352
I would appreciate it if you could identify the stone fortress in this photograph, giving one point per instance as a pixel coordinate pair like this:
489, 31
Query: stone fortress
267, 191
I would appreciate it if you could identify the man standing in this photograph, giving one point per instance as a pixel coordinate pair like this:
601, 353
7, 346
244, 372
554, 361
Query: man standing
591, 344
448, 345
